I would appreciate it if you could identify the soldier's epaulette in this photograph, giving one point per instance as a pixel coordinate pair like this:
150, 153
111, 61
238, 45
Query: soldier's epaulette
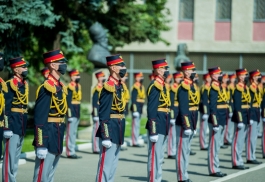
158, 85
109, 86
253, 88
64, 88
185, 85
14, 84
215, 86
71, 86
4, 86
174, 87
50, 86
240, 87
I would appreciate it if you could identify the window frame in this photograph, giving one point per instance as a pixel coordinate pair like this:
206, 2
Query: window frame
185, 19
216, 13
254, 13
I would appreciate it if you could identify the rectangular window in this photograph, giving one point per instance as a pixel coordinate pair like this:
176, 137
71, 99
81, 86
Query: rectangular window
259, 10
223, 10
186, 9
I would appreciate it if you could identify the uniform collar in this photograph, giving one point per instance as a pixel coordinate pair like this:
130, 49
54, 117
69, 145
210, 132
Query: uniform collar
53, 79
187, 80
160, 80
114, 80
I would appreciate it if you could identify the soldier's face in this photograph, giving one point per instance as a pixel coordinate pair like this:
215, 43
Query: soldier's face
19, 70
178, 80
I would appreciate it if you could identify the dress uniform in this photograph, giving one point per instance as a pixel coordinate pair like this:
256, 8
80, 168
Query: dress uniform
252, 132
186, 119
261, 88
174, 110
263, 115
137, 100
158, 102
204, 110
241, 118
16, 101
229, 131
95, 104
49, 118
45, 72
126, 95
112, 104
74, 97
3, 88
217, 120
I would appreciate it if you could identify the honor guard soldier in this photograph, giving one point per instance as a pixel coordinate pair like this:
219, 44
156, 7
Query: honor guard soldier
204, 110
217, 119
185, 121
16, 101
252, 133
74, 97
229, 133
174, 110
158, 102
111, 118
95, 104
137, 99
49, 118
45, 72
124, 80
3, 88
263, 115
241, 118
260, 86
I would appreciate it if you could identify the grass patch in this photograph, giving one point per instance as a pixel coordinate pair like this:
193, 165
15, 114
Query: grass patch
128, 127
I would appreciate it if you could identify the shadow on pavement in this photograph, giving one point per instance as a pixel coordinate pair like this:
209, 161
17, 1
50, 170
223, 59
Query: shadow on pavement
139, 178
140, 155
30, 160
128, 160
196, 164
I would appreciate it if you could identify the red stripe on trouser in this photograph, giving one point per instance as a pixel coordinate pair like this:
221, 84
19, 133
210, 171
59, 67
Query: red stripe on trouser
212, 154
6, 160
169, 141
94, 137
152, 162
133, 142
234, 151
179, 154
40, 170
67, 138
102, 164
263, 140
249, 142
201, 132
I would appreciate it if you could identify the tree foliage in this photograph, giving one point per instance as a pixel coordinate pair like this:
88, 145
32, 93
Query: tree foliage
32, 27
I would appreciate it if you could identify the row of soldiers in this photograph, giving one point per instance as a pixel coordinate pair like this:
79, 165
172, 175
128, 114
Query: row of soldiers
232, 112
54, 102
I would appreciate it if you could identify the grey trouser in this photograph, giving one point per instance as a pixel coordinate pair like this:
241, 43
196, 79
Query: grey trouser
183, 153
251, 140
263, 140
12, 150
229, 131
155, 158
223, 128
95, 140
171, 140
238, 145
213, 149
71, 136
135, 129
203, 134
108, 161
259, 127
45, 168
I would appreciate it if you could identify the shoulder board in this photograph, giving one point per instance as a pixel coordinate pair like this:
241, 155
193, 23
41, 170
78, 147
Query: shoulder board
158, 85
109, 86
240, 87
3, 84
215, 86
49, 85
253, 88
185, 85
64, 88
14, 84
71, 86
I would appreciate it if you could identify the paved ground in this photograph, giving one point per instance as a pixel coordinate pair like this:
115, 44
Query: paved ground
132, 167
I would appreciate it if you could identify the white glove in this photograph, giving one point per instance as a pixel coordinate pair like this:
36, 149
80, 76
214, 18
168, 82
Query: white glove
71, 120
96, 118
106, 143
251, 122
172, 121
188, 132
42, 152
194, 132
215, 129
240, 125
230, 115
263, 119
153, 138
205, 117
8, 134
136, 114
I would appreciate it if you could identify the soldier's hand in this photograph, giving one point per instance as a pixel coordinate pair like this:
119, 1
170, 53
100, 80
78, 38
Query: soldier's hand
42, 152
216, 129
205, 117
106, 143
240, 125
194, 132
136, 114
96, 119
8, 133
153, 138
230, 114
263, 119
251, 122
172, 121
71, 119
188, 132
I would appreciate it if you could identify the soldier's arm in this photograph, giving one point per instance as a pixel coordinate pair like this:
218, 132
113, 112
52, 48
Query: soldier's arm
133, 99
263, 106
213, 96
183, 98
41, 114
251, 109
152, 105
237, 105
69, 102
8, 104
172, 100
105, 102
95, 103
205, 103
